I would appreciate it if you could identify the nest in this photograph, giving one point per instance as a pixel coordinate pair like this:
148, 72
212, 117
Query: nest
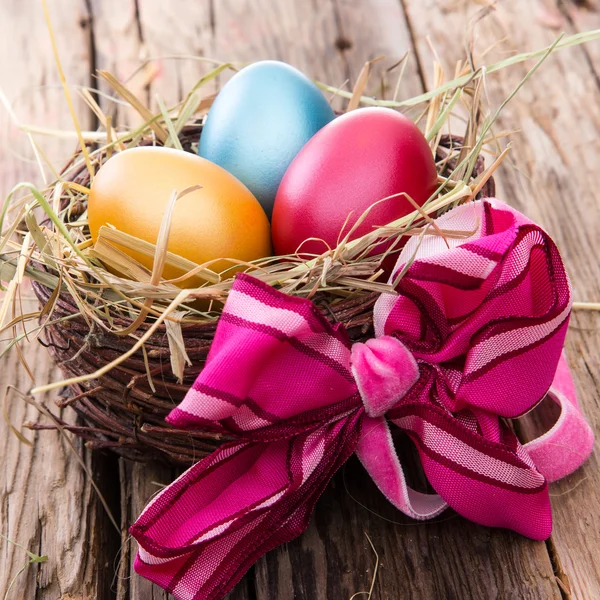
130, 349
122, 410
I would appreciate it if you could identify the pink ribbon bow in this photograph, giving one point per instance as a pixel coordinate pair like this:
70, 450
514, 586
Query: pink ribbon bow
473, 336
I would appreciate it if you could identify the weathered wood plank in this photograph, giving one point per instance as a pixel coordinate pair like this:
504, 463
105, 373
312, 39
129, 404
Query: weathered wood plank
46, 501
581, 15
182, 29
143, 482
373, 29
118, 48
554, 180
29, 80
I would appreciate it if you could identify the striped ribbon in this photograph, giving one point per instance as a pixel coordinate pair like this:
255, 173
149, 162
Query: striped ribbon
473, 336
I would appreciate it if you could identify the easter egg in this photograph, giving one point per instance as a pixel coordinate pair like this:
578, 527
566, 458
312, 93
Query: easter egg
259, 121
354, 161
222, 219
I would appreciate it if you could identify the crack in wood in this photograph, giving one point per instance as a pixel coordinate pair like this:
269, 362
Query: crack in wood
212, 17
142, 39
413, 43
582, 4
342, 42
562, 579
88, 26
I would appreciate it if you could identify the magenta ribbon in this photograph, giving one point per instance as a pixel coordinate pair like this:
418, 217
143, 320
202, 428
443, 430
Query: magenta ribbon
474, 335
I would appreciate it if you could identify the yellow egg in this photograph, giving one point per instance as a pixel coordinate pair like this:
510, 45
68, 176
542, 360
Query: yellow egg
221, 220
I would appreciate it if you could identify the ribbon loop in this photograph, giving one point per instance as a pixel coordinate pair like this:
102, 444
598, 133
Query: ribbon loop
563, 448
378, 456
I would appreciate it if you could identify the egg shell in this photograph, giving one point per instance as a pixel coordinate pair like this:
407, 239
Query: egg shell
220, 220
259, 121
362, 157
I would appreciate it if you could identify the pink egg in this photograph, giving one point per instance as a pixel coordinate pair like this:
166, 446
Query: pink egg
351, 163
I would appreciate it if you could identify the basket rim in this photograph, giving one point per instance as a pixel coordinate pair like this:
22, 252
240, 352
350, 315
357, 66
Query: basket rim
447, 143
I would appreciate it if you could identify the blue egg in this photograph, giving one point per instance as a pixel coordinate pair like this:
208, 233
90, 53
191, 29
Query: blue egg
259, 121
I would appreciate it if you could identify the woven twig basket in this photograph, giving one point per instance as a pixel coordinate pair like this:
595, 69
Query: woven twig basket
120, 411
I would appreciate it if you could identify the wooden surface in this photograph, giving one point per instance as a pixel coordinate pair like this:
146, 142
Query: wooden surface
47, 503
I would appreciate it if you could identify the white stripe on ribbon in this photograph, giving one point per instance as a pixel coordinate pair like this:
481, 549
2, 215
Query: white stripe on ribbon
150, 559
206, 406
520, 257
245, 418
457, 451
463, 261
215, 531
490, 349
289, 322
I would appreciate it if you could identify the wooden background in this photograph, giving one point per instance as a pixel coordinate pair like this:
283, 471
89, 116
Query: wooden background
46, 501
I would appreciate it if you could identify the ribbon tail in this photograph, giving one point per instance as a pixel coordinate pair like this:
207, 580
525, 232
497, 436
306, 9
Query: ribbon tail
568, 444
493, 484
200, 535
378, 456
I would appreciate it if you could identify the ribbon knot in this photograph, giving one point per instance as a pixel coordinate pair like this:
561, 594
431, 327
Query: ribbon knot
473, 335
384, 370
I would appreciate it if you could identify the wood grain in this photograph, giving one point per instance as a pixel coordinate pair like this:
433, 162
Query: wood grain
305, 34
450, 558
47, 504
373, 29
553, 179
30, 82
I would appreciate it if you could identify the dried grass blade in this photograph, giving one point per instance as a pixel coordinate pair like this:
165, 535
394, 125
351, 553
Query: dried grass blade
6, 416
436, 103
115, 236
410, 261
459, 82
160, 255
179, 356
173, 140
40, 239
145, 113
61, 74
147, 367
211, 75
404, 62
122, 263
181, 297
16, 279
443, 116
361, 84
187, 111
485, 177
485, 130
105, 120
592, 306
9, 266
